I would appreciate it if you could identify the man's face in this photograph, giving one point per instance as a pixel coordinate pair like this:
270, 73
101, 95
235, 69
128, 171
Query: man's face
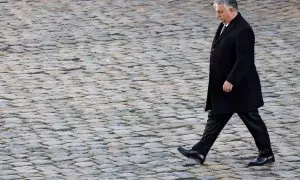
222, 13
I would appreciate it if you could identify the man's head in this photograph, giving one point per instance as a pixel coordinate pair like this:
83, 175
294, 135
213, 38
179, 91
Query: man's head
226, 10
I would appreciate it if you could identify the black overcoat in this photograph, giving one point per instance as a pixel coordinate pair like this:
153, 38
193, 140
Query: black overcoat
232, 59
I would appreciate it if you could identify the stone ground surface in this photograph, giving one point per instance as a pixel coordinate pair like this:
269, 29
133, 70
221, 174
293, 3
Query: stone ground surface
94, 89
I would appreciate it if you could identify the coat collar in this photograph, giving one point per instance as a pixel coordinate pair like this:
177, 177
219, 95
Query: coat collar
231, 25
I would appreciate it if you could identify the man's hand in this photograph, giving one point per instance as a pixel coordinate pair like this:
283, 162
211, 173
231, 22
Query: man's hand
227, 86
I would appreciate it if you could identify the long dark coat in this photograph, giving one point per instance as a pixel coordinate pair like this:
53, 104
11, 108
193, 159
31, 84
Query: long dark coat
232, 59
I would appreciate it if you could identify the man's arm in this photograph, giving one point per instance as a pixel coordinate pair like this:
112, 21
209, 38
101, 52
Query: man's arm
245, 56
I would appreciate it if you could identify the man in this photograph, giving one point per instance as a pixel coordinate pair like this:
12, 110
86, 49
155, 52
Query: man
234, 85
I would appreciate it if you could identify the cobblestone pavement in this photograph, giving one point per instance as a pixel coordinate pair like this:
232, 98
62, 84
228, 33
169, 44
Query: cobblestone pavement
94, 89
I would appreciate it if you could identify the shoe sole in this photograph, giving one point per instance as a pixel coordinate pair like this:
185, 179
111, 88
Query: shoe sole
267, 162
190, 157
196, 159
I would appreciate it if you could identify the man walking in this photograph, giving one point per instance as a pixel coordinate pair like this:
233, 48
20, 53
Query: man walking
234, 85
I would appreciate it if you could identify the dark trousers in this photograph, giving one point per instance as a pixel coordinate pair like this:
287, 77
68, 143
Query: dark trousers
252, 120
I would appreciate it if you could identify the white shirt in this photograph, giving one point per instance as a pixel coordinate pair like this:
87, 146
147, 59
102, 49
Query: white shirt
224, 26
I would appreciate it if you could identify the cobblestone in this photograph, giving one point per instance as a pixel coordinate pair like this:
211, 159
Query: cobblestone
109, 89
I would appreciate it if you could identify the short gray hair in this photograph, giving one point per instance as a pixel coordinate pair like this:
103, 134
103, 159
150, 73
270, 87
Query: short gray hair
227, 3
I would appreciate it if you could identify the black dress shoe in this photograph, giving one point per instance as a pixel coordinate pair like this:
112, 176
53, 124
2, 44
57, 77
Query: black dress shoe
259, 161
192, 154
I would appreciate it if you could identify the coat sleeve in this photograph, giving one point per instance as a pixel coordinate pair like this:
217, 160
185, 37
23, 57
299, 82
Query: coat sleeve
245, 56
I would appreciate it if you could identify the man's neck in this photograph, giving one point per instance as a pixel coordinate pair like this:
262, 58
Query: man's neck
234, 14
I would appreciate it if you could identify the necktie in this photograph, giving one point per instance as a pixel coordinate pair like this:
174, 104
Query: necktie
223, 28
